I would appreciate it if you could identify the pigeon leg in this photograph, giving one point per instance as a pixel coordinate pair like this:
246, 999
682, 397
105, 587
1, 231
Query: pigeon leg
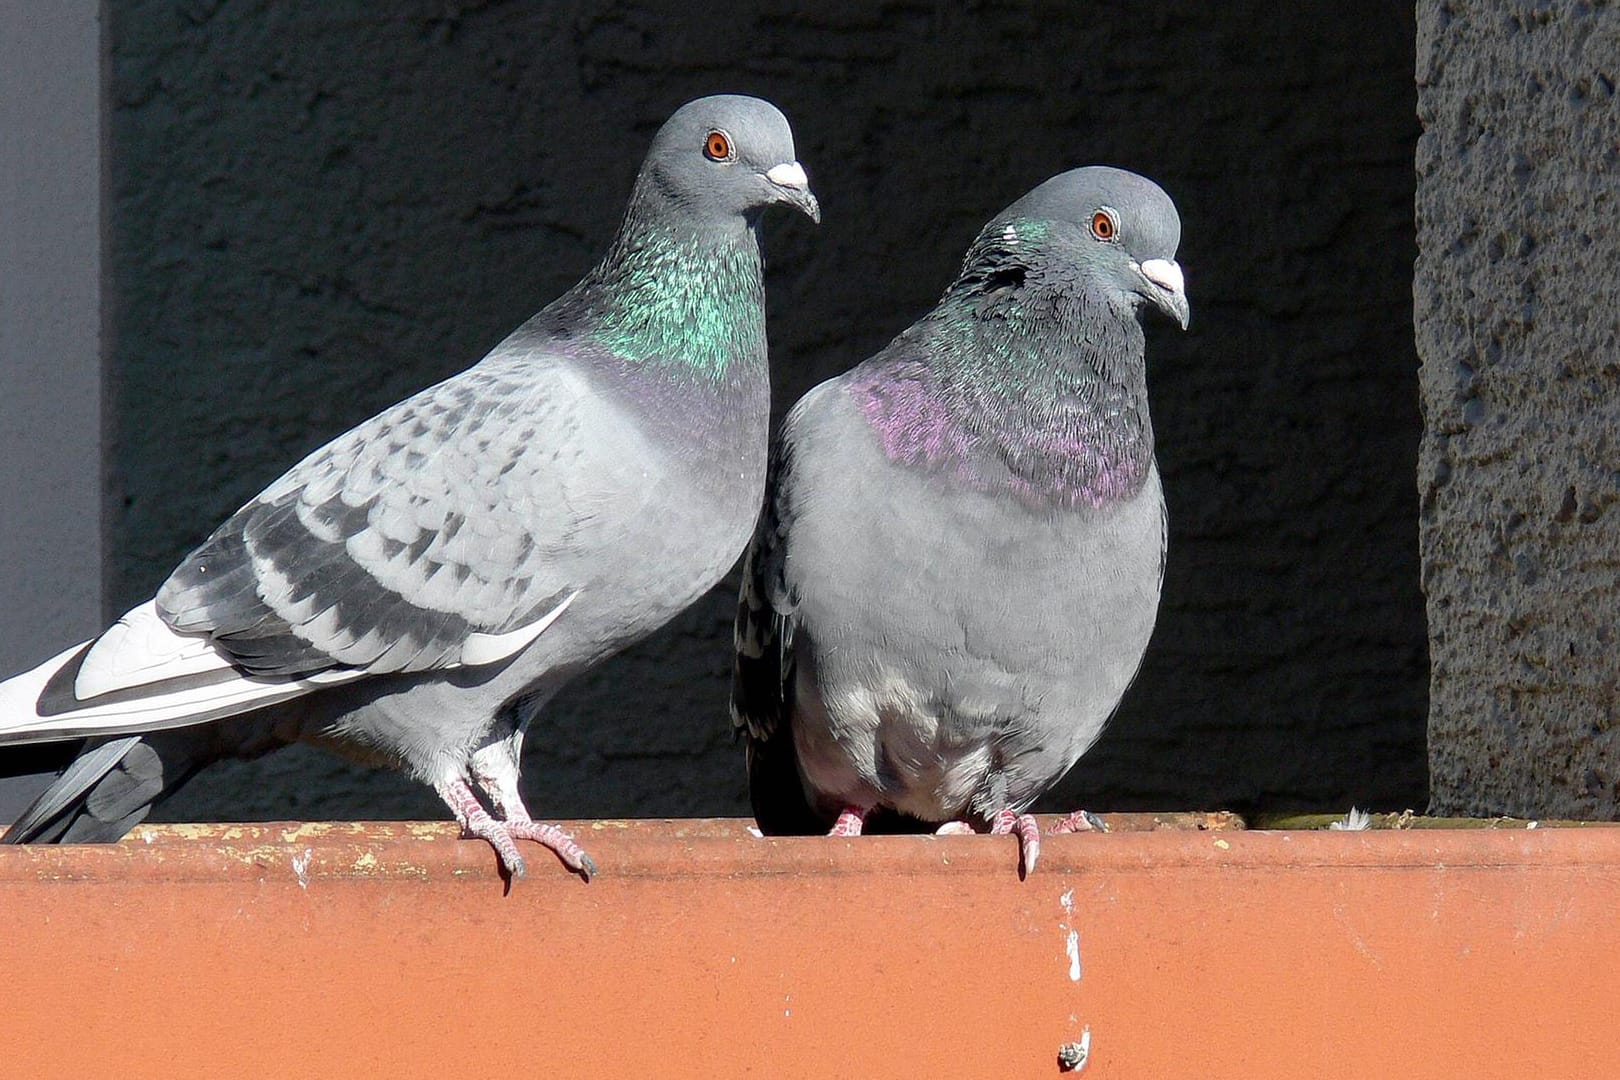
955, 828
495, 771
1080, 821
850, 822
1029, 835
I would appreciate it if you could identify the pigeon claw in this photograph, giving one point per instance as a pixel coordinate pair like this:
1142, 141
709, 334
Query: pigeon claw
504, 835
572, 855
483, 827
1080, 821
1029, 835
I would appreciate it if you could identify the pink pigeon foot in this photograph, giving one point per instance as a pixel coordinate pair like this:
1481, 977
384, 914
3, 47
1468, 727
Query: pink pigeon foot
1080, 821
850, 822
503, 835
1029, 835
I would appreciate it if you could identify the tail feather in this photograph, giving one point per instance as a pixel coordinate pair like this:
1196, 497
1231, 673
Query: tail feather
775, 791
115, 783
143, 695
123, 797
86, 771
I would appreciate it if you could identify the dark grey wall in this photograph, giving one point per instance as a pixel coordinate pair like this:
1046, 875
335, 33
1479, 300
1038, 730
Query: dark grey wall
1518, 325
318, 209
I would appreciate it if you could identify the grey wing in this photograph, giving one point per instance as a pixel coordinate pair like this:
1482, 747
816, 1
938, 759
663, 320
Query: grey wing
764, 676
450, 515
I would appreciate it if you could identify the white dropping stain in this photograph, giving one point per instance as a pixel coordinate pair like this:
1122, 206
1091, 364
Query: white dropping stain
1071, 936
1072, 1057
753, 830
300, 865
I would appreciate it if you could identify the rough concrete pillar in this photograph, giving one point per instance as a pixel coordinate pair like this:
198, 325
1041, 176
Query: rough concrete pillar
1517, 308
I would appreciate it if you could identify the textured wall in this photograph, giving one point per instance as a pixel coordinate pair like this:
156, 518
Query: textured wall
1518, 327
319, 209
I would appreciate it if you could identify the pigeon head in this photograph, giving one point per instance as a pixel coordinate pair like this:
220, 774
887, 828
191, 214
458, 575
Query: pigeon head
1118, 231
1029, 376
679, 290
727, 156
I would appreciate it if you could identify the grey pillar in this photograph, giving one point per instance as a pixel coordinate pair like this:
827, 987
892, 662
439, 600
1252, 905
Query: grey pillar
50, 303
1518, 332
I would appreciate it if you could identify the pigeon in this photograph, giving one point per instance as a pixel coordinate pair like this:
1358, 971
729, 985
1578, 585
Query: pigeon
958, 565
411, 593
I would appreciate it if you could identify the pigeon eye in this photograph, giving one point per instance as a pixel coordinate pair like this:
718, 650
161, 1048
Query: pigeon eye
717, 147
1103, 226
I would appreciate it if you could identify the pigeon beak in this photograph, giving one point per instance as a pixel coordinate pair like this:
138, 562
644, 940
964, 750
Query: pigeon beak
1166, 288
793, 187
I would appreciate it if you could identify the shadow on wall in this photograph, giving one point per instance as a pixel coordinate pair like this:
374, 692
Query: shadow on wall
315, 215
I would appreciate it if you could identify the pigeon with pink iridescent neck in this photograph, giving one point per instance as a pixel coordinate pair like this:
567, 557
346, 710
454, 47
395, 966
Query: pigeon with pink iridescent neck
959, 564
413, 592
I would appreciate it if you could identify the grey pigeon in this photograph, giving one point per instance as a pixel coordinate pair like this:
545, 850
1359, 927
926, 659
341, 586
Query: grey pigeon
413, 592
959, 563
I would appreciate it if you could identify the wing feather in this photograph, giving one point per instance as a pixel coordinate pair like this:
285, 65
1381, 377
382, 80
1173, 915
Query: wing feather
390, 548
451, 529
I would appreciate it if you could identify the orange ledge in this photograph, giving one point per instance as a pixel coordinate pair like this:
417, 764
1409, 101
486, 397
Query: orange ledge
704, 951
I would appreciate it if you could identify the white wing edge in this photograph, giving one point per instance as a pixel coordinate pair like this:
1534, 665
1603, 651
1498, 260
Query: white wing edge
140, 648
21, 722
489, 648
143, 651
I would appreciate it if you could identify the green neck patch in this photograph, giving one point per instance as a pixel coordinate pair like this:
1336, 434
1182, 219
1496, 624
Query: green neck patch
669, 297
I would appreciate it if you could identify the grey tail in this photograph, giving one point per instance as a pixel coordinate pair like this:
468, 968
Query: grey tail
775, 792
105, 792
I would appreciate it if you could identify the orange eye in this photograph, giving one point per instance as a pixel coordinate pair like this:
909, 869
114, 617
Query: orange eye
1102, 225
717, 147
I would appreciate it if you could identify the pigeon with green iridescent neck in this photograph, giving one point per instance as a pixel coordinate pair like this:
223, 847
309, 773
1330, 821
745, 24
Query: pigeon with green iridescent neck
958, 567
414, 591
